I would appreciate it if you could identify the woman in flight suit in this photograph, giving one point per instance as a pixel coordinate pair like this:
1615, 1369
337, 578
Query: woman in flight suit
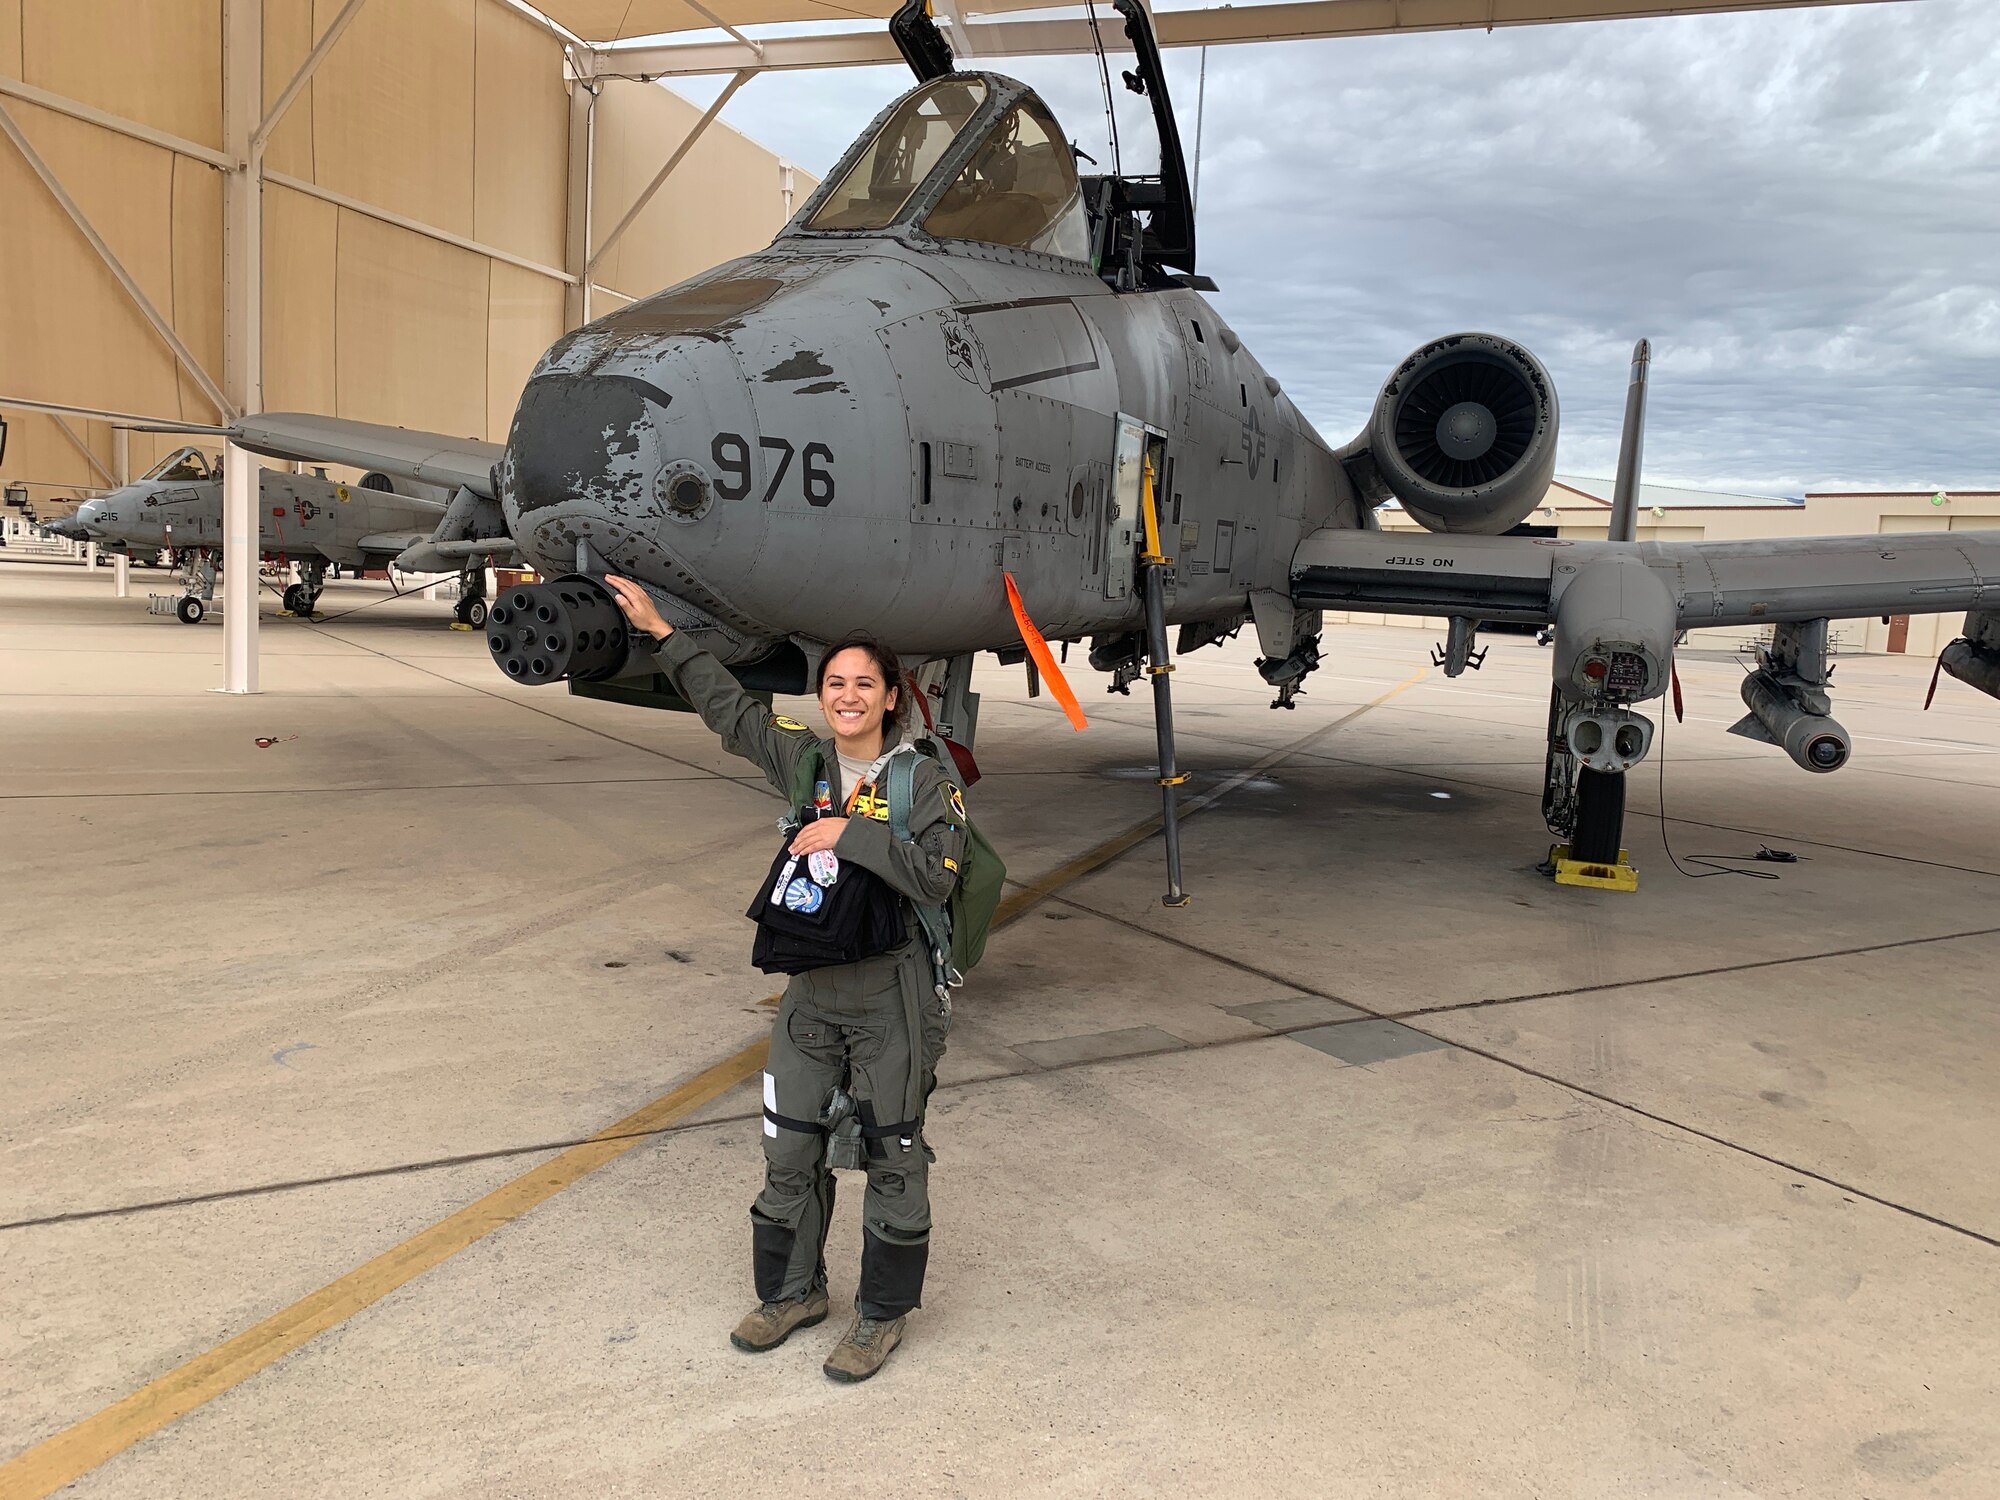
872, 1030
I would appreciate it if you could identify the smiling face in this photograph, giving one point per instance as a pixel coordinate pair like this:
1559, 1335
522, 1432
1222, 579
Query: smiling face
855, 696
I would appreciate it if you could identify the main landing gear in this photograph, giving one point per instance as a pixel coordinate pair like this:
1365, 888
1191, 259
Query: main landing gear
470, 611
1288, 674
300, 598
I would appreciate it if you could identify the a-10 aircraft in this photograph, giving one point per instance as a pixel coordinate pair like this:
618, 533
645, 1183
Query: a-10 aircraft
304, 519
965, 389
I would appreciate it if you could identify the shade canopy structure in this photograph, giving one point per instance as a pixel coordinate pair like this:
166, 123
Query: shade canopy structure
610, 29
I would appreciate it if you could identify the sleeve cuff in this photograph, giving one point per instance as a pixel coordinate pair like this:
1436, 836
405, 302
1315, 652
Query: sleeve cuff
676, 649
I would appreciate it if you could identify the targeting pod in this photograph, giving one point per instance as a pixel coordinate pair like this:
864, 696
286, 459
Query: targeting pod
1814, 741
545, 632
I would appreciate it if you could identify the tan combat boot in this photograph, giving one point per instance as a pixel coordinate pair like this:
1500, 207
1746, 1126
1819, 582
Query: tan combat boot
865, 1350
773, 1322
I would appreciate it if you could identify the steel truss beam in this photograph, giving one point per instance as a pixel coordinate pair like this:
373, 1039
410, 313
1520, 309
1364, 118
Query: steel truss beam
660, 177
160, 325
304, 75
115, 418
84, 448
415, 226
77, 110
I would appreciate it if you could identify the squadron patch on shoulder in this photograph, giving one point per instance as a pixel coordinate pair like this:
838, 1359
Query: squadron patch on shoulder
779, 721
956, 798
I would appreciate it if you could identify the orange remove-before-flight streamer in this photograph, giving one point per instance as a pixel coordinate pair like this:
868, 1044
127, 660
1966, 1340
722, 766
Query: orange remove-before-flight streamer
1044, 659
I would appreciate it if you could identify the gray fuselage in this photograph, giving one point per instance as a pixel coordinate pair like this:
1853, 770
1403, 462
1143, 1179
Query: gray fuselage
862, 432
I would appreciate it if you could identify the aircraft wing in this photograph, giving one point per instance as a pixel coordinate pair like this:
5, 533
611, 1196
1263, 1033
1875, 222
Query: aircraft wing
389, 544
427, 457
1713, 583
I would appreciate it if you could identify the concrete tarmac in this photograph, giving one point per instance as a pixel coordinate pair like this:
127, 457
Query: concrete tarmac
1386, 1168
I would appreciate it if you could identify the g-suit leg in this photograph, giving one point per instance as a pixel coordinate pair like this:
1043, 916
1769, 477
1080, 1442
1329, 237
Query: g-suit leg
789, 1220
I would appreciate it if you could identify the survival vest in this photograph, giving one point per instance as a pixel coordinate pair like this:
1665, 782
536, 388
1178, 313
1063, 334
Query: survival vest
815, 910
955, 930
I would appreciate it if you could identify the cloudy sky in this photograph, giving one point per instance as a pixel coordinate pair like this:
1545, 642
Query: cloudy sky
1801, 209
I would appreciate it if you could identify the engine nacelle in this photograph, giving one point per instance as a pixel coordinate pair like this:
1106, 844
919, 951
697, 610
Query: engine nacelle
1813, 740
1464, 434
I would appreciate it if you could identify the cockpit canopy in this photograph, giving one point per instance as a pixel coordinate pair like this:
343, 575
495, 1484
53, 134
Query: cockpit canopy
963, 158
182, 464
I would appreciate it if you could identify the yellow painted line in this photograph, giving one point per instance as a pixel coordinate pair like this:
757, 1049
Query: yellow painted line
75, 1451
48, 1466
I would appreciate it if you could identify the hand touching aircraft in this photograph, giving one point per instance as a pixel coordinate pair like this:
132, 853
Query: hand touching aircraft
966, 392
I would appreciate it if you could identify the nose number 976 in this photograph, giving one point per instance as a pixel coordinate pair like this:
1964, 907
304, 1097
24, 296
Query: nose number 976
731, 453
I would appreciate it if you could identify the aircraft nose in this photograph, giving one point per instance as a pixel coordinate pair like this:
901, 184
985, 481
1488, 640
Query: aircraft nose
626, 460
585, 437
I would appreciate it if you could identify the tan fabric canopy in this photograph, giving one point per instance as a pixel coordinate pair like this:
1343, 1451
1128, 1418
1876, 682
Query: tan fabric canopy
992, 34
618, 20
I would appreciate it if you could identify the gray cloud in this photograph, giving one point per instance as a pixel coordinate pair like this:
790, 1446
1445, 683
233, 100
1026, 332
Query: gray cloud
1801, 209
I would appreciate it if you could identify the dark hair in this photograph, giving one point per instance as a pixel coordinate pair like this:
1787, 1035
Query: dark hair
887, 663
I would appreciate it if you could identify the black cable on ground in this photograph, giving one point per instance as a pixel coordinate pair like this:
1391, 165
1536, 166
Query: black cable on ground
1718, 864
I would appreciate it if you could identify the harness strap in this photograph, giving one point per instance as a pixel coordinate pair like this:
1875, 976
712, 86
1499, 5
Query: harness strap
874, 1135
935, 919
786, 1122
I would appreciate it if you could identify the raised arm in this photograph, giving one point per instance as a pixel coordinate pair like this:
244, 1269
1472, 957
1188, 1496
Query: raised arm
745, 726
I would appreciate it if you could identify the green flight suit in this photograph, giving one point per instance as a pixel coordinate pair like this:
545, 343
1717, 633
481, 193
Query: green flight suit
875, 1029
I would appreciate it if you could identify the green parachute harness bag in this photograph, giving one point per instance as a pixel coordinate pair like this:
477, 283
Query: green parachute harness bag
957, 929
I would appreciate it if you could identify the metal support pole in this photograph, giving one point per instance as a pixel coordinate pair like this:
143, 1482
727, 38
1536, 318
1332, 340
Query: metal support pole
243, 206
121, 456
121, 576
582, 169
239, 570
1156, 564
242, 328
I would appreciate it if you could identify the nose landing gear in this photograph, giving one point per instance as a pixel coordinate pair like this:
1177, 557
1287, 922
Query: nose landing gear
1585, 808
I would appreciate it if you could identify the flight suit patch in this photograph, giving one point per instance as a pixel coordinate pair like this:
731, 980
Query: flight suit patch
957, 801
779, 721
